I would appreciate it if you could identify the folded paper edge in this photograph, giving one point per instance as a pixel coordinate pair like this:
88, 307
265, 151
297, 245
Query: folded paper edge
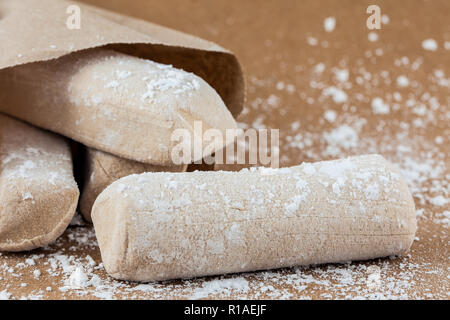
234, 97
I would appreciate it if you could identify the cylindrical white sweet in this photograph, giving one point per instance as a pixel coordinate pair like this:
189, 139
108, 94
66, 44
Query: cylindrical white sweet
38, 193
157, 226
102, 169
116, 103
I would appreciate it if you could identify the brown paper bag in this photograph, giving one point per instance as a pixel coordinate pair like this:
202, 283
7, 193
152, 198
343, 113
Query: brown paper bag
38, 193
37, 31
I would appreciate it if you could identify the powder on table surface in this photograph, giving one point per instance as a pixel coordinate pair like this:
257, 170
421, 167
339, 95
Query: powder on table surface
372, 36
429, 45
379, 106
73, 275
329, 24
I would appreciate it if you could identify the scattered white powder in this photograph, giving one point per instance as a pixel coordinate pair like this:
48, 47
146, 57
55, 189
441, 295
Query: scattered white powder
372, 36
77, 220
30, 262
443, 219
223, 286
280, 85
402, 81
341, 75
439, 73
439, 140
319, 68
312, 41
379, 106
438, 201
290, 88
344, 137
338, 95
273, 100
295, 125
330, 115
78, 278
36, 273
429, 45
329, 24
5, 295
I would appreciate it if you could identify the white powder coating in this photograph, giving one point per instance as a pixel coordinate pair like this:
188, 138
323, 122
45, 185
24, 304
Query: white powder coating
379, 106
292, 206
339, 171
429, 45
329, 24
116, 103
163, 78
27, 196
225, 227
308, 168
121, 188
372, 191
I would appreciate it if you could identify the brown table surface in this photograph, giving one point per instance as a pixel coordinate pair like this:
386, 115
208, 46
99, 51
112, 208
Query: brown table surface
290, 61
